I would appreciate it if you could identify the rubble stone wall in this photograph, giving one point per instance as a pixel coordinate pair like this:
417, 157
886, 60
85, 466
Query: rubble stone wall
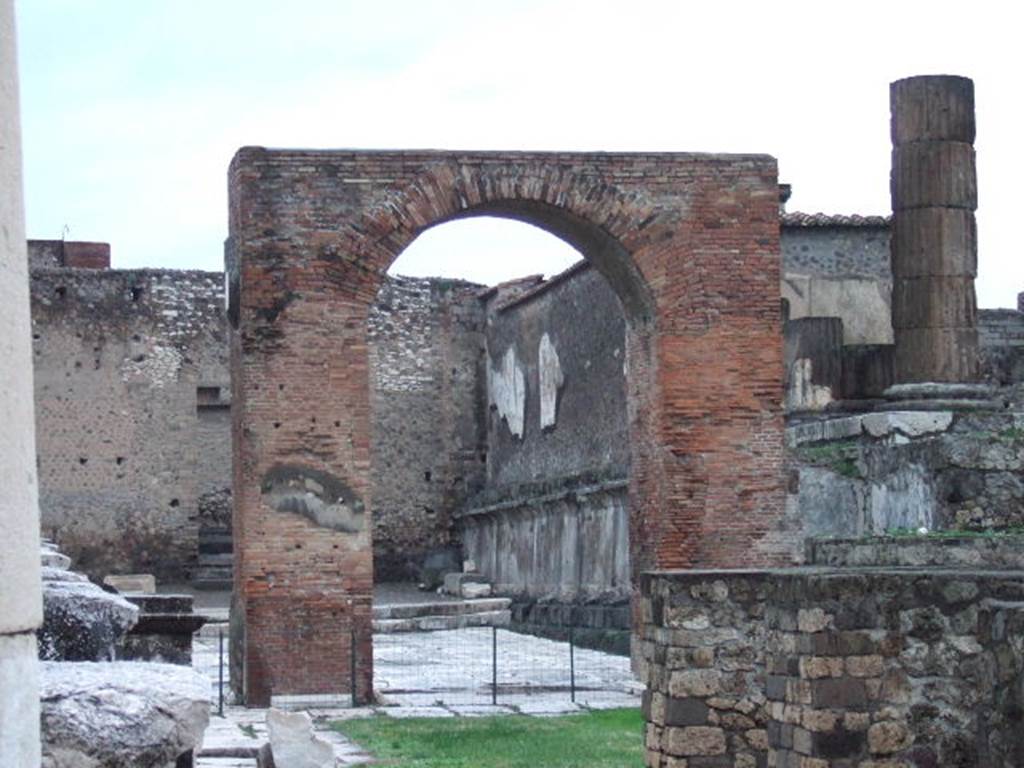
869, 474
426, 341
839, 269
833, 668
132, 394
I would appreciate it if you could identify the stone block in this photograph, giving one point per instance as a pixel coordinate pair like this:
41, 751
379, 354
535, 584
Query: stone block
887, 738
19, 700
142, 583
685, 711
694, 740
936, 354
934, 242
932, 108
294, 744
939, 174
694, 683
934, 302
911, 424
121, 714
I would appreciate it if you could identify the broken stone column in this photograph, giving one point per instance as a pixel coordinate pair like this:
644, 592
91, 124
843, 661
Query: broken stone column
934, 238
20, 598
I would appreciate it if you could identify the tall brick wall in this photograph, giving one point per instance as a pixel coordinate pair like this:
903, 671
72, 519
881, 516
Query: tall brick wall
127, 452
426, 367
688, 242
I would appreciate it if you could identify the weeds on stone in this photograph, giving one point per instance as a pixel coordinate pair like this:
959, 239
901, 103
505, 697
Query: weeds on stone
840, 457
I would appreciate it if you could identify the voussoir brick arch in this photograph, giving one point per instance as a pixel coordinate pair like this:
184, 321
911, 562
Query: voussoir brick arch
599, 220
688, 242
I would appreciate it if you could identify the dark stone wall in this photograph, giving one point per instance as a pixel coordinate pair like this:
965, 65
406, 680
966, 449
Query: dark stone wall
582, 319
837, 251
828, 667
426, 340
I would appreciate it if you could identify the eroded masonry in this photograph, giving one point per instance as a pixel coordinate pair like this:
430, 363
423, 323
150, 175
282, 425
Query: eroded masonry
654, 407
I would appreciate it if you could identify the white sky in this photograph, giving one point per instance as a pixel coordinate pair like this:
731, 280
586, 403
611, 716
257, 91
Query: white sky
132, 109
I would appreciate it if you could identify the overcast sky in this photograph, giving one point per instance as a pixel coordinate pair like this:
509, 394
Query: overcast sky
132, 109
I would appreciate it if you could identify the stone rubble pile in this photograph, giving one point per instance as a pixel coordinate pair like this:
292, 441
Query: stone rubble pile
98, 713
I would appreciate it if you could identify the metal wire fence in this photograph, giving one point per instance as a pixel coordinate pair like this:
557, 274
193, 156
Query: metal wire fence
475, 667
494, 666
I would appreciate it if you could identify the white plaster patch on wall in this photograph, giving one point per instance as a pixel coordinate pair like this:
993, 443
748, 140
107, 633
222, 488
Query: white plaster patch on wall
158, 367
506, 390
551, 380
803, 393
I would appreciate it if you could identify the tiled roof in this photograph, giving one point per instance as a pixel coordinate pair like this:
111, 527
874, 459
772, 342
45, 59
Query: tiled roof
797, 219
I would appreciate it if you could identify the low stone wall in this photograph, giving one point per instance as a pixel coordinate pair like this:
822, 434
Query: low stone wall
1001, 345
981, 552
825, 668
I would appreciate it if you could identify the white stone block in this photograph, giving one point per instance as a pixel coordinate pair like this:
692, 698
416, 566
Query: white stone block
19, 701
293, 743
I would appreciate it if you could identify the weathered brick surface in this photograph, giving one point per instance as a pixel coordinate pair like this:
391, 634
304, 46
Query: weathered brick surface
690, 243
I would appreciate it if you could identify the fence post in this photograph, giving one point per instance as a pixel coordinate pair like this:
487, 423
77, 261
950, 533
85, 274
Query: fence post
220, 672
572, 666
352, 664
494, 665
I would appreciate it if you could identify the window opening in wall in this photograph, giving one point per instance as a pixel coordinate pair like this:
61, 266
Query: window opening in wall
209, 403
136, 292
61, 292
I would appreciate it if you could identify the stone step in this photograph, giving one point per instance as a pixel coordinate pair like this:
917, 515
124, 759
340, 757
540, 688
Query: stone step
440, 608
210, 584
450, 621
215, 544
210, 559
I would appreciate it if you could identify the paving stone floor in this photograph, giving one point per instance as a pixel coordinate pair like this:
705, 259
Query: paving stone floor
434, 674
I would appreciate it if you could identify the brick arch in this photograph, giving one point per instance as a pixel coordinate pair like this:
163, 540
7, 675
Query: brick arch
596, 218
689, 243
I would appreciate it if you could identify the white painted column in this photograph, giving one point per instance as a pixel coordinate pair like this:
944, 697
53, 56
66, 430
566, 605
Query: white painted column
20, 597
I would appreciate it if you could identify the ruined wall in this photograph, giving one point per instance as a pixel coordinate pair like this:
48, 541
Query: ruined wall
838, 266
552, 526
1001, 345
426, 373
869, 474
830, 668
132, 398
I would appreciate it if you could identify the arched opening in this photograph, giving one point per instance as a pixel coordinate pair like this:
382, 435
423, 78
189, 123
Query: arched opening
688, 244
499, 443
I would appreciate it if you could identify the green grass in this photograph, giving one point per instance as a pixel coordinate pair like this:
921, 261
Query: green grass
957, 533
605, 739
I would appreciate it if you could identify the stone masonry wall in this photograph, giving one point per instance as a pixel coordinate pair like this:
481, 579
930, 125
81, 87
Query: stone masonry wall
132, 392
817, 668
838, 266
551, 527
869, 474
426, 368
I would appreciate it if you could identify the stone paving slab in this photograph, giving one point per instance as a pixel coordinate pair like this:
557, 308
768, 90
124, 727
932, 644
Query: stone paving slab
434, 674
